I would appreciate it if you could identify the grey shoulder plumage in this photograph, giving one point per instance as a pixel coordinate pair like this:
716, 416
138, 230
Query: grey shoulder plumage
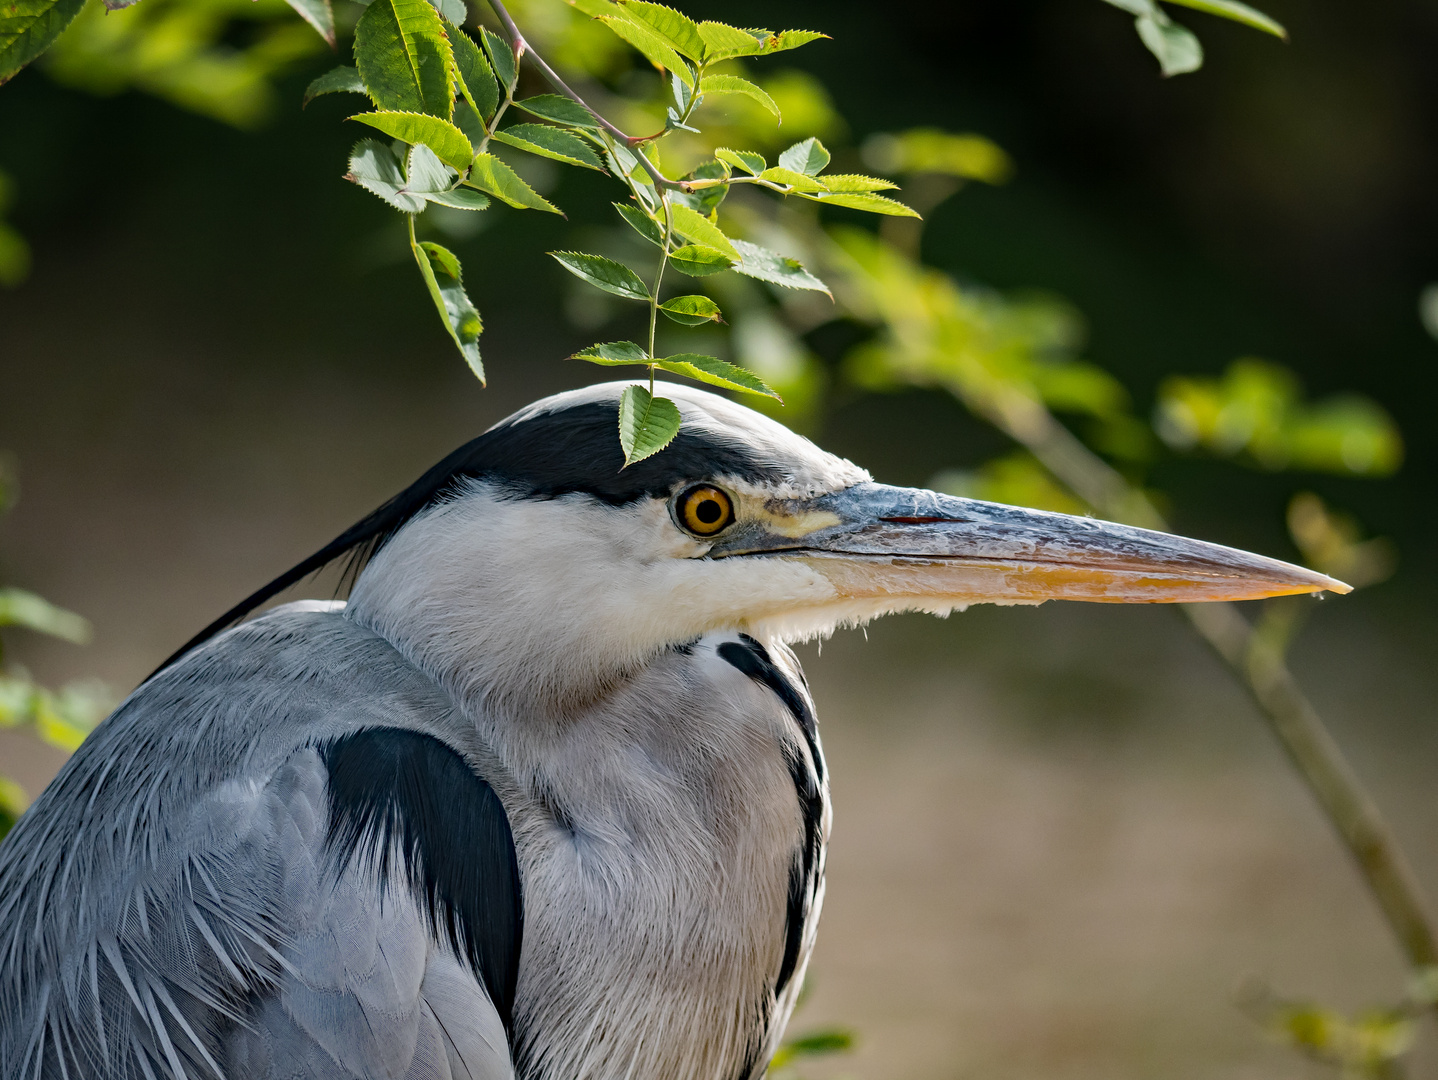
235, 937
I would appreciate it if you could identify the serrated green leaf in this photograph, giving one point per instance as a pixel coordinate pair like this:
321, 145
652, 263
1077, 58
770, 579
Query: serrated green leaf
404, 57
27, 29
551, 142
1240, 13
494, 177
732, 84
716, 372
722, 41
319, 14
460, 198
469, 122
697, 260
595, 8
425, 173
751, 162
1177, 50
475, 72
770, 266
446, 140
796, 180
25, 609
560, 109
678, 31
647, 424
809, 157
652, 45
374, 167
453, 12
501, 56
603, 273
641, 222
791, 39
696, 227
874, 204
613, 354
340, 80
692, 310
441, 272
854, 183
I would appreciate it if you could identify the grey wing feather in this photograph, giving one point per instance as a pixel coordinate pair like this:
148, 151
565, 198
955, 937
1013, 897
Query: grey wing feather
168, 908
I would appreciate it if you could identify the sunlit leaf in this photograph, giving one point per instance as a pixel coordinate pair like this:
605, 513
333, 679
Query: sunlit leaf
603, 273
404, 57
25, 609
874, 204
441, 271
647, 424
698, 260
340, 80
1241, 13
796, 180
692, 310
851, 183
319, 14
808, 157
785, 40
716, 372
551, 142
655, 48
722, 41
475, 72
677, 31
613, 354
1177, 50
696, 227
748, 160
641, 222
494, 177
733, 84
560, 109
27, 29
766, 265
446, 140
501, 56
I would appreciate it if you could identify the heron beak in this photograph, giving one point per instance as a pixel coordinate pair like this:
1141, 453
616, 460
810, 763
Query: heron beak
875, 542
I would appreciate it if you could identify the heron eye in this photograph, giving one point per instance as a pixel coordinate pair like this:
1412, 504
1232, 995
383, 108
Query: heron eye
704, 510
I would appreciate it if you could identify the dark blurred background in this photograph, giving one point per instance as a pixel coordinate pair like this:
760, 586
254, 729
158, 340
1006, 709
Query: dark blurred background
1062, 834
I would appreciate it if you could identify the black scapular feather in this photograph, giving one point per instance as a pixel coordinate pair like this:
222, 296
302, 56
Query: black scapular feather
534, 455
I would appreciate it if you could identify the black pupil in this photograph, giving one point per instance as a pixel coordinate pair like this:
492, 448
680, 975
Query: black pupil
708, 511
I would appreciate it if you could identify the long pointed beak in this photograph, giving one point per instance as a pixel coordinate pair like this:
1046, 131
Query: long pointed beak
878, 542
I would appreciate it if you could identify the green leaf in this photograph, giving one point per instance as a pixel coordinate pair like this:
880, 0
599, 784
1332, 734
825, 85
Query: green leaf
646, 424
791, 39
652, 44
28, 27
716, 372
603, 273
319, 14
696, 227
796, 180
551, 142
459, 198
641, 222
501, 55
446, 140
453, 12
692, 310
697, 260
441, 272
766, 265
475, 72
340, 80
469, 122
374, 167
1178, 51
678, 31
613, 354
426, 174
808, 157
494, 177
560, 109
874, 204
852, 182
748, 160
404, 57
1241, 13
732, 84
25, 609
722, 41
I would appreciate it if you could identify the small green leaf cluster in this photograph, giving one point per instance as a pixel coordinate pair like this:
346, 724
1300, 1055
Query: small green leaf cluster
804, 1047
1177, 49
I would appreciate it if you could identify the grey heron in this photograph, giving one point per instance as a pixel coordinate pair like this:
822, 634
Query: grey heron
544, 799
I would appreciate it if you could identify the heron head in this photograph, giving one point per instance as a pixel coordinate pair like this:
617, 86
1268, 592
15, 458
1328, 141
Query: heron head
533, 550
